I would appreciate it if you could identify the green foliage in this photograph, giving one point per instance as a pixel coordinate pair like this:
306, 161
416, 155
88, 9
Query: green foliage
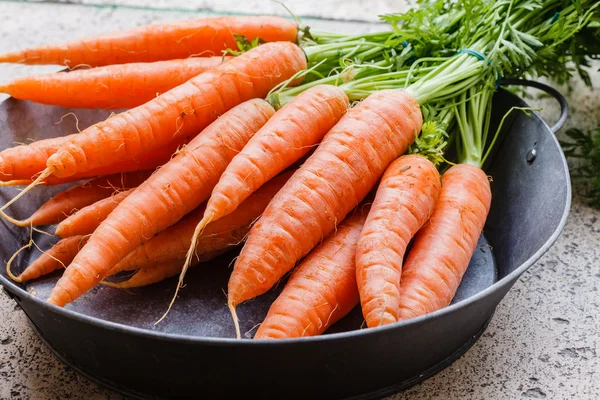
243, 44
584, 148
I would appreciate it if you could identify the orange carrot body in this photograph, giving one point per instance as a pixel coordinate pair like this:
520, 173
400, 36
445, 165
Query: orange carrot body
174, 190
59, 256
166, 41
322, 289
405, 199
226, 233
113, 86
73, 199
22, 163
181, 112
333, 181
149, 274
86, 220
289, 135
442, 250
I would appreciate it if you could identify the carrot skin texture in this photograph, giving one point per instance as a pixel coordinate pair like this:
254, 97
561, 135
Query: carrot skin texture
181, 112
87, 219
224, 234
156, 42
174, 190
59, 256
403, 203
442, 250
109, 87
64, 204
292, 132
322, 290
333, 181
22, 163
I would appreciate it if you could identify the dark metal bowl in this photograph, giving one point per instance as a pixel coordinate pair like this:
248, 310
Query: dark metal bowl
110, 336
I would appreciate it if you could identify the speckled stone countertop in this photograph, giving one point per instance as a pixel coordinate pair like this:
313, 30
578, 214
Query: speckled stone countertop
544, 339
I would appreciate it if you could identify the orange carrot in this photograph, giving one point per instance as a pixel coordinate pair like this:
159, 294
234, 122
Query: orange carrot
159, 271
174, 190
443, 248
405, 199
334, 180
149, 274
322, 289
181, 112
226, 233
113, 86
59, 256
87, 219
166, 41
21, 164
288, 136
71, 200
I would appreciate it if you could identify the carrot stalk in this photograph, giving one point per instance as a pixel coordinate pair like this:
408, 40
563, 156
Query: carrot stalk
59, 256
405, 199
226, 233
442, 249
333, 180
174, 190
113, 86
322, 289
71, 200
86, 220
156, 42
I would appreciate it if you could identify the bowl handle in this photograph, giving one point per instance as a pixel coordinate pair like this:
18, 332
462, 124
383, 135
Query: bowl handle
564, 108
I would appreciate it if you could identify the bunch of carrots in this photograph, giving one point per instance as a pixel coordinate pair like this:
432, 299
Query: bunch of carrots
322, 154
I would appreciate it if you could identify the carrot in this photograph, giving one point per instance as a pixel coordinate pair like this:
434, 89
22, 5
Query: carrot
405, 199
113, 86
174, 190
288, 136
59, 256
226, 233
21, 164
71, 200
443, 248
86, 220
182, 111
157, 42
322, 289
334, 180
159, 271
149, 274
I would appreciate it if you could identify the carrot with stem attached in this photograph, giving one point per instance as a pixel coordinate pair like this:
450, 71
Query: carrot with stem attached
177, 188
404, 200
333, 180
64, 204
87, 219
57, 257
181, 112
322, 289
226, 233
442, 249
157, 42
113, 86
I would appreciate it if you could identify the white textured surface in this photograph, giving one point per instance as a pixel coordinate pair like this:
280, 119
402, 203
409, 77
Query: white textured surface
544, 339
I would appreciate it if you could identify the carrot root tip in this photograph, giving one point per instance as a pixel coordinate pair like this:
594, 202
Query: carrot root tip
45, 174
20, 223
17, 279
236, 322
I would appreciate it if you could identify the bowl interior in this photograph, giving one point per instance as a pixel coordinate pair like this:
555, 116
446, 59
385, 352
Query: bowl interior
526, 209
